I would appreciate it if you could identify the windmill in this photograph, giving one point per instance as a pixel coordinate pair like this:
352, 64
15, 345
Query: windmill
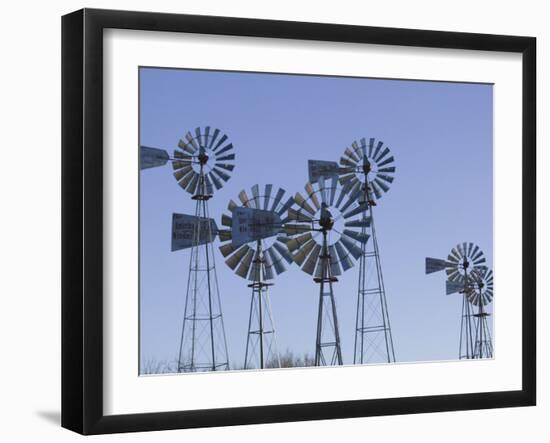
367, 172
256, 250
479, 292
464, 259
202, 163
324, 235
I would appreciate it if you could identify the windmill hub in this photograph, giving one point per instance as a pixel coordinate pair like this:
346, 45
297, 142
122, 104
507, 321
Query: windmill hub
327, 220
203, 156
366, 166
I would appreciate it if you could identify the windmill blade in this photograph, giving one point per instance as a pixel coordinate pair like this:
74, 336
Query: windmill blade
221, 174
234, 260
189, 148
371, 147
189, 230
354, 195
333, 184
293, 214
198, 135
435, 265
311, 193
377, 192
208, 183
353, 249
256, 270
343, 256
244, 199
276, 260
206, 136
334, 262
286, 206
296, 242
364, 222
268, 265
267, 196
224, 234
219, 143
182, 173
347, 162
256, 196
226, 148
385, 152
193, 183
387, 170
213, 138
303, 252
283, 250
352, 154
226, 157
227, 249
377, 150
191, 140
181, 156
227, 220
225, 166
302, 203
294, 229
386, 162
244, 267
152, 157
311, 262
250, 225
218, 184
452, 287
360, 208
361, 238
385, 178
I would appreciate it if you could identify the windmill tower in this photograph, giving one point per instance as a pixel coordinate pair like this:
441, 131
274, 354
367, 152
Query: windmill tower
367, 173
256, 251
463, 259
202, 162
325, 237
479, 293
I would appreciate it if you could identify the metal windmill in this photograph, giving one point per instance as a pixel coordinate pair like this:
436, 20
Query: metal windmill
367, 172
325, 239
202, 163
256, 251
479, 292
463, 259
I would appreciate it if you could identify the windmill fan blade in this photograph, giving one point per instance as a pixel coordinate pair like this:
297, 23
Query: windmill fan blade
231, 205
218, 184
190, 139
277, 262
182, 173
371, 147
224, 234
389, 169
256, 269
213, 138
267, 196
362, 238
343, 256
354, 195
224, 149
303, 252
219, 143
360, 223
187, 147
384, 177
193, 183
353, 249
302, 203
334, 262
208, 183
377, 150
311, 262
311, 193
363, 207
286, 206
227, 220
293, 214
242, 270
283, 250
377, 192
181, 156
225, 166
227, 249
296, 242
178, 164
256, 196
244, 199
352, 154
221, 174
451, 287
347, 162
277, 199
382, 185
268, 265
294, 229
435, 265
198, 135
226, 157
234, 260
387, 161
382, 155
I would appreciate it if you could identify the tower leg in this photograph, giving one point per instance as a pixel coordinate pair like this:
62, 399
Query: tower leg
261, 347
328, 350
373, 336
466, 345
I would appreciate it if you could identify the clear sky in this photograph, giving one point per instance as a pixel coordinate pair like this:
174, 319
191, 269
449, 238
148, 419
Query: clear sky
441, 135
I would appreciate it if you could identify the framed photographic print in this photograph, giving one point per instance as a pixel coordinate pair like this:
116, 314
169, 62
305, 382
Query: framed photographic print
269, 221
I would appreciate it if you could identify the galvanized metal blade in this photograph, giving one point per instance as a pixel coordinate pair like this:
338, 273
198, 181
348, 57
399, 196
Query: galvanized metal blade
225, 166
343, 256
277, 199
213, 138
303, 252
293, 214
364, 222
360, 208
221, 174
296, 242
235, 259
311, 262
358, 236
227, 249
226, 158
311, 193
386, 162
302, 203
219, 143
267, 196
226, 148
352, 155
452, 287
244, 267
353, 249
282, 249
182, 173
380, 157
334, 262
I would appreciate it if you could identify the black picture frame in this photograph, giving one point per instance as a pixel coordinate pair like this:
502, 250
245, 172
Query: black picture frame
82, 215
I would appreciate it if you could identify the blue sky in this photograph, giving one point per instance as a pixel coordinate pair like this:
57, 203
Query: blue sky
441, 136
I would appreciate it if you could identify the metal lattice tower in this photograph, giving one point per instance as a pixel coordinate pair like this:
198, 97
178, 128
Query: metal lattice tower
256, 251
324, 239
202, 163
479, 293
367, 171
463, 259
